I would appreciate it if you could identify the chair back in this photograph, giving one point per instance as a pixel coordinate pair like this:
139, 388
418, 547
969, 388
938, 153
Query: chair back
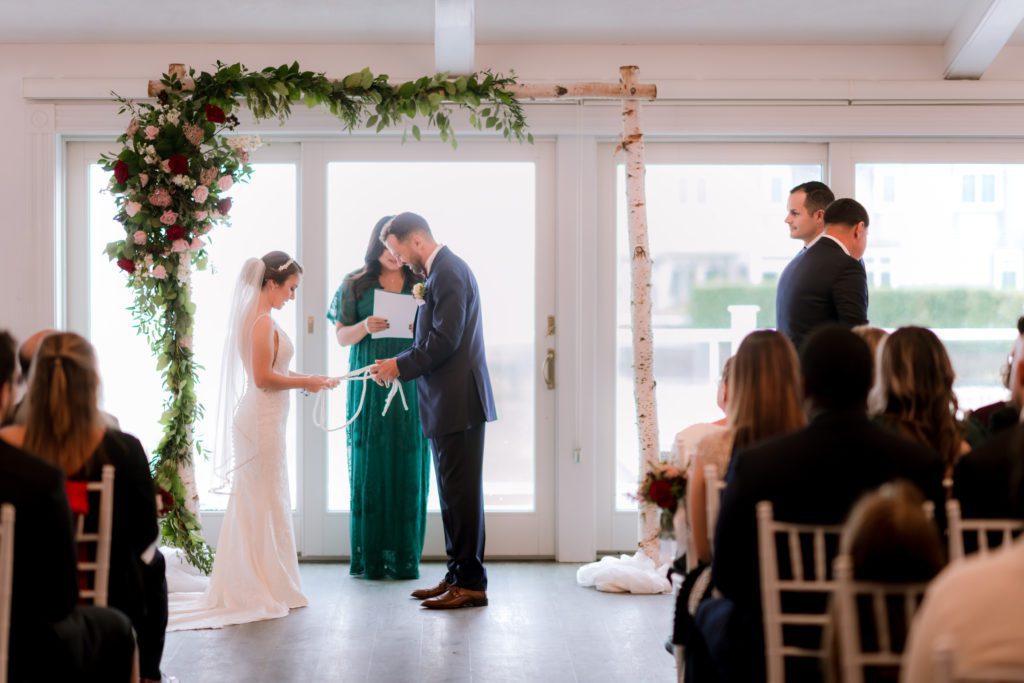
990, 533
891, 612
713, 485
99, 566
809, 574
946, 670
6, 584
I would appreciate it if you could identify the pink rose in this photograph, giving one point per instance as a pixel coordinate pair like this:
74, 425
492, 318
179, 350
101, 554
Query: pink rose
201, 215
244, 156
139, 237
200, 193
203, 228
207, 175
159, 272
193, 134
132, 208
133, 128
225, 182
168, 218
160, 197
179, 246
197, 244
152, 132
185, 342
143, 179
165, 166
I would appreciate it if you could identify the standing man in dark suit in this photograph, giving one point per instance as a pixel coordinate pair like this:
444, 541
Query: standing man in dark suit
447, 357
827, 282
813, 476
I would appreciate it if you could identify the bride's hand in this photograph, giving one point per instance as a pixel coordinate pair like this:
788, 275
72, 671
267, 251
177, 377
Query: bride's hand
316, 383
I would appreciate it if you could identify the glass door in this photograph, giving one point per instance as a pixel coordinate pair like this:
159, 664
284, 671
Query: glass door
718, 241
492, 204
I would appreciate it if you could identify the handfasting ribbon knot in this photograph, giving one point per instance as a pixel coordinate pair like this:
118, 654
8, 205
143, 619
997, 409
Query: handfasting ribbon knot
361, 375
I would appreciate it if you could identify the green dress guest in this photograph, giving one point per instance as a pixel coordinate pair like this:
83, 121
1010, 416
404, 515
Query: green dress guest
388, 457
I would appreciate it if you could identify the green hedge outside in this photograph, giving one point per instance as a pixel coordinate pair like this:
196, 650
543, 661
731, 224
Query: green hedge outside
931, 307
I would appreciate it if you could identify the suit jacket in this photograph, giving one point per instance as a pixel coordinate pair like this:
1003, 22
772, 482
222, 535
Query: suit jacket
45, 583
447, 355
820, 285
135, 522
813, 476
982, 479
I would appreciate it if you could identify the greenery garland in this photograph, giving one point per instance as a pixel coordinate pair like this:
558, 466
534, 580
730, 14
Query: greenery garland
168, 182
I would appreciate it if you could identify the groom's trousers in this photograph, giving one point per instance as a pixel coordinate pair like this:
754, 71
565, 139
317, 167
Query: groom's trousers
458, 465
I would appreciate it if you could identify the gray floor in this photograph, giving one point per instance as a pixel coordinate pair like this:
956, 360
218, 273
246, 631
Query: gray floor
539, 626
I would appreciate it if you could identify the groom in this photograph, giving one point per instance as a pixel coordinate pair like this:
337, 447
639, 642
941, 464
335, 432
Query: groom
455, 401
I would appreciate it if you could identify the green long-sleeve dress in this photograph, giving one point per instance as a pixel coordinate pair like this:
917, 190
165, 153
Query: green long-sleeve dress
388, 458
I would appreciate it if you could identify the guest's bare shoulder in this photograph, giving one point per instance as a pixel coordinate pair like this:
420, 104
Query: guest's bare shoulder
13, 434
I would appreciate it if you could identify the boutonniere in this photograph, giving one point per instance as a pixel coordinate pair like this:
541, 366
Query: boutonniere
419, 293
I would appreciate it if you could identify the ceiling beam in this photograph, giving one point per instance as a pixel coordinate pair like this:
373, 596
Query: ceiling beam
979, 35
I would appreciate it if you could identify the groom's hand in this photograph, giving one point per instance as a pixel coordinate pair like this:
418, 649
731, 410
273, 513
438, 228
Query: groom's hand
385, 371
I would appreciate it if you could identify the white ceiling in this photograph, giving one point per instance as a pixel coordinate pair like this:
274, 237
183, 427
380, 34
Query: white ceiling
769, 22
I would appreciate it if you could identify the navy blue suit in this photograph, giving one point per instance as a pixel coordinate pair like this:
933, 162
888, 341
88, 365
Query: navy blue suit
821, 284
455, 400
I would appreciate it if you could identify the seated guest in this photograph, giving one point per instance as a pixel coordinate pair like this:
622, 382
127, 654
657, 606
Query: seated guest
765, 401
685, 444
982, 478
52, 638
914, 393
63, 426
976, 608
890, 539
987, 421
874, 337
813, 476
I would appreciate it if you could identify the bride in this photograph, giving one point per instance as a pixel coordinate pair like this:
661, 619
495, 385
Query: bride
256, 572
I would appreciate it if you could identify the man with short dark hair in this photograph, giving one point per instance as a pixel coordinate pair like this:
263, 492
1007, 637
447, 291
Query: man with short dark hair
51, 637
827, 281
813, 476
455, 400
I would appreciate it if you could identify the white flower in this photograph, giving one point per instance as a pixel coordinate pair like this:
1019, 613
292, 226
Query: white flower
173, 116
183, 181
419, 293
148, 261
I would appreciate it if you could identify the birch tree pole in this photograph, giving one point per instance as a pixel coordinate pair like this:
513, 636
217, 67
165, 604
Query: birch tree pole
640, 309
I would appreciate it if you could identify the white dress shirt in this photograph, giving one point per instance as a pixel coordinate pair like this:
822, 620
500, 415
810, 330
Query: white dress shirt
430, 259
841, 245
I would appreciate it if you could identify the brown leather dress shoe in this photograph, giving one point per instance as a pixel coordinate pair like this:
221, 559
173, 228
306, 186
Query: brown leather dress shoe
424, 593
457, 597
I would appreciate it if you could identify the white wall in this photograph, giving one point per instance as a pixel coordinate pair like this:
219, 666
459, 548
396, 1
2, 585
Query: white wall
26, 277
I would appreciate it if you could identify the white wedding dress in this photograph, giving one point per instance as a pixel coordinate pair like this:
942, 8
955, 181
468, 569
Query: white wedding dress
256, 571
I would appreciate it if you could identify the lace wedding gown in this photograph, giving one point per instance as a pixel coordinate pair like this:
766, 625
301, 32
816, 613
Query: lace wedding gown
256, 571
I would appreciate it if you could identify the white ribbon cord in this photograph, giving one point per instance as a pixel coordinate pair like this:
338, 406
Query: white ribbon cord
361, 375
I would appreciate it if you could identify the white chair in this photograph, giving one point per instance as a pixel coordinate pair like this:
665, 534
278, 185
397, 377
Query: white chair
100, 566
773, 587
852, 656
946, 670
6, 584
959, 527
713, 486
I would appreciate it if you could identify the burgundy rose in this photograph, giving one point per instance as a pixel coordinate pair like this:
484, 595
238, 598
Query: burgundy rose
175, 232
120, 171
224, 206
165, 501
178, 164
214, 114
661, 493
126, 264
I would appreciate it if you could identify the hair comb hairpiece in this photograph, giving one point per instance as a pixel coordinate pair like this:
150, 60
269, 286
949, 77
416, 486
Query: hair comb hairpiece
286, 265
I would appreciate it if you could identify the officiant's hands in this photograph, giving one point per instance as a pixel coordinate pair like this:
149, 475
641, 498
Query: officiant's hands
375, 324
384, 371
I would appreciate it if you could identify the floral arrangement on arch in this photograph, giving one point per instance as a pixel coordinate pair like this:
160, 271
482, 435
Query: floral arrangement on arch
663, 486
169, 182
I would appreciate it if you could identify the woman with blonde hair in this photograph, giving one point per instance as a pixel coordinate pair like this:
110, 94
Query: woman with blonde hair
64, 426
765, 400
913, 393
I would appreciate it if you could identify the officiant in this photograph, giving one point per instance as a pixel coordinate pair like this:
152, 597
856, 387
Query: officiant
388, 456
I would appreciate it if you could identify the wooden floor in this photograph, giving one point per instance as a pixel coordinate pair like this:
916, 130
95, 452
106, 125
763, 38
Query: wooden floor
539, 626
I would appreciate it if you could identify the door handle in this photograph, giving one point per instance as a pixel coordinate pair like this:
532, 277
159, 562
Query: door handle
549, 369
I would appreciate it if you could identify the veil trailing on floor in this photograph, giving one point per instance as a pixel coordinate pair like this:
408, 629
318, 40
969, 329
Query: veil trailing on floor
235, 373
